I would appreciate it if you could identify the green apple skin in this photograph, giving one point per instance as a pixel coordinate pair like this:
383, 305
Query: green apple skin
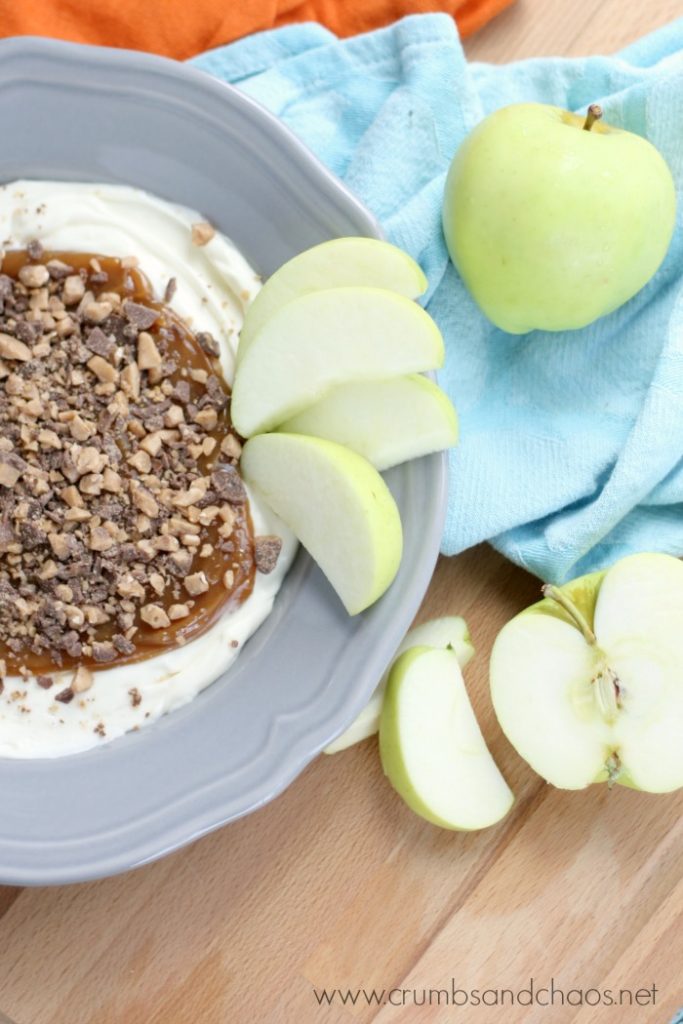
326, 338
394, 764
582, 591
336, 504
551, 226
390, 748
386, 421
341, 262
449, 631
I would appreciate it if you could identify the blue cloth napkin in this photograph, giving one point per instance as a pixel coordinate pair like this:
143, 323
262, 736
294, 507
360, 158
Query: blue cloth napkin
571, 451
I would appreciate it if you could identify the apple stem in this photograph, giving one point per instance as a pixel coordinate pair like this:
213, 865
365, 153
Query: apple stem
579, 620
593, 114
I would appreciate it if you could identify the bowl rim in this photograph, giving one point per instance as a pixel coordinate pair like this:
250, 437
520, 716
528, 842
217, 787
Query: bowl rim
149, 837
121, 61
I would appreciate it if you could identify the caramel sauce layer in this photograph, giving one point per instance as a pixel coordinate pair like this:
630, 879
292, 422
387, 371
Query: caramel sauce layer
234, 553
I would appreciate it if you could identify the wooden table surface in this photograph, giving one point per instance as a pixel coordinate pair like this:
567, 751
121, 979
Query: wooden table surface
336, 884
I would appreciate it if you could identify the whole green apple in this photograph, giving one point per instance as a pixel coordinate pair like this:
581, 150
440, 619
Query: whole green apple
588, 683
553, 219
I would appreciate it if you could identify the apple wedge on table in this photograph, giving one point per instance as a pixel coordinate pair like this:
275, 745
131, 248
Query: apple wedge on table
327, 338
338, 506
339, 263
448, 631
386, 421
431, 746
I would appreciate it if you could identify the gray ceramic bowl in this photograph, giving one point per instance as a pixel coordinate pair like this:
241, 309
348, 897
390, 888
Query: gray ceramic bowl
309, 670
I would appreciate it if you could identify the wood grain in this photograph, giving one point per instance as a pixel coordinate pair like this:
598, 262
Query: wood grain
336, 884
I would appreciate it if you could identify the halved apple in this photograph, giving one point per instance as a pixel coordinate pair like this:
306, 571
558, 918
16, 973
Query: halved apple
588, 684
431, 746
450, 631
338, 506
385, 421
340, 263
326, 338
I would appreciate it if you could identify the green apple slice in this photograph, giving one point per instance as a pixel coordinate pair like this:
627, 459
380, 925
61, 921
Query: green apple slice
327, 338
386, 421
588, 684
340, 263
338, 506
432, 748
448, 631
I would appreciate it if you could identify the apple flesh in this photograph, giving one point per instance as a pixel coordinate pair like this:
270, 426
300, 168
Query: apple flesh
385, 421
431, 746
588, 684
551, 226
337, 505
449, 631
324, 339
342, 262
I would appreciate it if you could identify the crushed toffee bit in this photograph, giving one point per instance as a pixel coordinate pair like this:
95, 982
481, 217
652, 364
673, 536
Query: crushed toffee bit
100, 343
195, 584
11, 468
34, 248
208, 343
99, 730
135, 697
141, 317
13, 349
104, 651
202, 232
124, 522
178, 611
216, 396
34, 275
65, 696
149, 357
231, 447
171, 289
45, 682
82, 680
155, 616
227, 483
58, 269
266, 552
122, 644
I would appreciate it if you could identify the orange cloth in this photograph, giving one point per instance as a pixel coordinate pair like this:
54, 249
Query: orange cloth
183, 28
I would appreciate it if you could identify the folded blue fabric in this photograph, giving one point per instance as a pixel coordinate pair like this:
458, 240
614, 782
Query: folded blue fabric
571, 451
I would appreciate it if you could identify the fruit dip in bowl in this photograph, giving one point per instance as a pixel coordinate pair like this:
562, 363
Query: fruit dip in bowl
174, 132
134, 562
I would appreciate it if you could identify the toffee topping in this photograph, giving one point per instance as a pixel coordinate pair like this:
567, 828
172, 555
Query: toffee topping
124, 522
